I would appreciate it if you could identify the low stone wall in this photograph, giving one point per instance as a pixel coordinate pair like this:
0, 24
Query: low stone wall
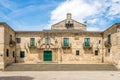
114, 59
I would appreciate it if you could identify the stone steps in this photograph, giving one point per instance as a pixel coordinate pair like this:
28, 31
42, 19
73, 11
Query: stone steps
61, 67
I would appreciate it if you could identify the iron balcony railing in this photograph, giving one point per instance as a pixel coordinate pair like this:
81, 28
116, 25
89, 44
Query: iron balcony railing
87, 45
32, 45
68, 45
12, 43
107, 43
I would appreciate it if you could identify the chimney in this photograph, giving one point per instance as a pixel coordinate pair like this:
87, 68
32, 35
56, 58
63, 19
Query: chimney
69, 15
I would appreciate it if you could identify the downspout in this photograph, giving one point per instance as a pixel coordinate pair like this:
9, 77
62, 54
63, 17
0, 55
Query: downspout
61, 49
102, 48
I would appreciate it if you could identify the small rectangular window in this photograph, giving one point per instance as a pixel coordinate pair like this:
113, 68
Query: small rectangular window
77, 52
96, 52
22, 54
99, 41
108, 50
7, 53
18, 40
13, 54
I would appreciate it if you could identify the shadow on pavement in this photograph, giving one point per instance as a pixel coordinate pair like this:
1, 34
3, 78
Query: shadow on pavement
16, 78
61, 67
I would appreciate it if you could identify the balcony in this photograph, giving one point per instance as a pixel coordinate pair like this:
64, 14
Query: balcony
32, 45
12, 43
107, 44
66, 45
87, 45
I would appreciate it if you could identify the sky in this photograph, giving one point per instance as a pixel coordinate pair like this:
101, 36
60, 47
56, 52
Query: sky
36, 15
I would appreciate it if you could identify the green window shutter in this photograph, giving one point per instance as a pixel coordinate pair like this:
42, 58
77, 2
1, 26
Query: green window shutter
87, 41
22, 54
109, 38
66, 41
32, 42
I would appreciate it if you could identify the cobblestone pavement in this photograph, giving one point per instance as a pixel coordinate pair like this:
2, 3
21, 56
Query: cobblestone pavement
60, 75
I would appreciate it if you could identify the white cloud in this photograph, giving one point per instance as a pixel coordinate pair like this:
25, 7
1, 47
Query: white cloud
93, 21
115, 9
79, 9
92, 11
93, 29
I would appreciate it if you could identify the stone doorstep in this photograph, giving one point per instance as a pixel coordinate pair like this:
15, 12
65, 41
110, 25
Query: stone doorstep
62, 67
59, 63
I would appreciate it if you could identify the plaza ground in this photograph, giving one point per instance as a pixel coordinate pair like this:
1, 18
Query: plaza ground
60, 75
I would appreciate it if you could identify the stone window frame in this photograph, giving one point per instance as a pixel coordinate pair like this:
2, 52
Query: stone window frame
22, 54
47, 40
109, 38
69, 23
109, 50
87, 41
18, 40
77, 52
32, 41
7, 52
13, 54
96, 52
99, 41
66, 41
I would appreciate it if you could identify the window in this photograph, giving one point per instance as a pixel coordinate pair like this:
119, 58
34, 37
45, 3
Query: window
109, 38
18, 40
77, 52
108, 50
47, 40
22, 54
69, 23
66, 41
10, 39
99, 41
87, 41
32, 42
7, 53
13, 54
96, 52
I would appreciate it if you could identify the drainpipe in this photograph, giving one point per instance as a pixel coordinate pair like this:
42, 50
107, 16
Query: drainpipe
61, 49
102, 49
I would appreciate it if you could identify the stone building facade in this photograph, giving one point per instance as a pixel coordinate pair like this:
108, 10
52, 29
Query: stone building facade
67, 42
